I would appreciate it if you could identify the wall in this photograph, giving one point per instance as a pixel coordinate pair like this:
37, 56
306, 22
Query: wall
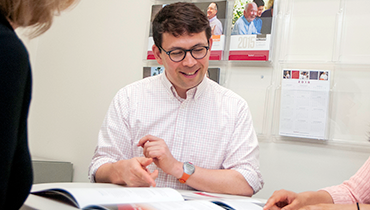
98, 47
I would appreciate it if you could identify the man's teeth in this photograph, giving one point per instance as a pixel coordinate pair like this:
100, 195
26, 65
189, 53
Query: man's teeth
190, 73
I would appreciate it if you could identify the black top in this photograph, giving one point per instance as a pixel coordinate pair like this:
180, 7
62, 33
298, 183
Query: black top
15, 95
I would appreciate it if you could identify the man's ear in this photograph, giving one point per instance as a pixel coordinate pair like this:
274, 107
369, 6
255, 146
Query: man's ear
210, 43
157, 54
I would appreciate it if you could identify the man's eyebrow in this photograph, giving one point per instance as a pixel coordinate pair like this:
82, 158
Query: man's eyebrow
181, 48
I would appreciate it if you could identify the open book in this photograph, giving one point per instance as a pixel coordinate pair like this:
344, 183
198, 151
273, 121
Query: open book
109, 196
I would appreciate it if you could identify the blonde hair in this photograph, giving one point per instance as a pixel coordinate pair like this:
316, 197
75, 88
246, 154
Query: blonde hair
37, 14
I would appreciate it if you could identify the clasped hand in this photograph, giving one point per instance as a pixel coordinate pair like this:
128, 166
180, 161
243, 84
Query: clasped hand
157, 149
134, 173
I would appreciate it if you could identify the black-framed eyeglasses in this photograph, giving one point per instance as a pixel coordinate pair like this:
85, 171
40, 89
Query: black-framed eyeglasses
178, 55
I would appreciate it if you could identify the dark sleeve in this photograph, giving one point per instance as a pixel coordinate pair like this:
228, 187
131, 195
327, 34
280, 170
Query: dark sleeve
15, 91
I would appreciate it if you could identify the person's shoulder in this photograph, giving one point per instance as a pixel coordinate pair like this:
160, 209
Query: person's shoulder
225, 93
266, 13
11, 47
13, 54
239, 20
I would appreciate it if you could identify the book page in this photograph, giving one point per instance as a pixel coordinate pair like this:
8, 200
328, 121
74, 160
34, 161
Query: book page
243, 204
86, 194
184, 205
228, 201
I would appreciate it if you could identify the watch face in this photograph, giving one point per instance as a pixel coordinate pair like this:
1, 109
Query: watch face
189, 168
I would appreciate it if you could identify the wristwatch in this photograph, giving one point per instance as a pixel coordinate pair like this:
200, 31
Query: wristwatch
189, 169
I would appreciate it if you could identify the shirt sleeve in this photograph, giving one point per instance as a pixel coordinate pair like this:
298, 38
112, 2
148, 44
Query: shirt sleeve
218, 28
259, 25
356, 189
243, 150
114, 140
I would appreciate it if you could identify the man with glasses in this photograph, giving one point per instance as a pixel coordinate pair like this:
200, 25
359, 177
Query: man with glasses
179, 129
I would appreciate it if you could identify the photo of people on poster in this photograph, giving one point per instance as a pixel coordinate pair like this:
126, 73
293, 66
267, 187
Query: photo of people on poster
252, 17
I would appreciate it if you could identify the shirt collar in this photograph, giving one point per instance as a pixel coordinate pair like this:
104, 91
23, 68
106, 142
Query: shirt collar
193, 93
245, 20
212, 19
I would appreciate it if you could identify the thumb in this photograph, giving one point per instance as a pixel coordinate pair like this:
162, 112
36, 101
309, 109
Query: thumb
144, 162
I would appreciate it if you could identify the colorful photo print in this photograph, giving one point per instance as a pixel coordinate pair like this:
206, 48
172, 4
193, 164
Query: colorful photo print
252, 17
324, 75
304, 75
152, 71
287, 74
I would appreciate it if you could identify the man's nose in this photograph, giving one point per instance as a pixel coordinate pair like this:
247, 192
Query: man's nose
189, 60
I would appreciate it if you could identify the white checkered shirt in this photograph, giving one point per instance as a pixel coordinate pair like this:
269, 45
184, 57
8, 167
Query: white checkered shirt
212, 128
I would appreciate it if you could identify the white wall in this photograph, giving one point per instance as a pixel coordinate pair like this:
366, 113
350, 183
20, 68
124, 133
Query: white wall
98, 47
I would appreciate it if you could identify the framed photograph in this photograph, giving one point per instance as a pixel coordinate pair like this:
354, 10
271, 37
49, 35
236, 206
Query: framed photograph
214, 74
251, 30
152, 71
216, 13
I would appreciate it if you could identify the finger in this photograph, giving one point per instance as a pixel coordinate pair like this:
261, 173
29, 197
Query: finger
154, 175
143, 140
146, 138
278, 199
271, 202
143, 174
144, 162
154, 152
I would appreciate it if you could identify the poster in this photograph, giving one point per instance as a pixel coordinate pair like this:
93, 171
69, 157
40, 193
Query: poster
216, 13
251, 31
304, 103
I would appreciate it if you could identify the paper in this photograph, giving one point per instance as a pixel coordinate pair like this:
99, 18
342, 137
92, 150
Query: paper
304, 103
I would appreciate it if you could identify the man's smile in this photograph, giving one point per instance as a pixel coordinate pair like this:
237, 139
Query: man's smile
189, 74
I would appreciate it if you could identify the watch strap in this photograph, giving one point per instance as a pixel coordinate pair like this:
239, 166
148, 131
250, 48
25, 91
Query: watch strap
184, 177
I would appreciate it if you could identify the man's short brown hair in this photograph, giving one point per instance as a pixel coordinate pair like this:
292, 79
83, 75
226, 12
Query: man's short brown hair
179, 19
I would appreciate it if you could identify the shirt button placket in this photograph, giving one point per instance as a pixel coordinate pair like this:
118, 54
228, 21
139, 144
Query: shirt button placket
180, 131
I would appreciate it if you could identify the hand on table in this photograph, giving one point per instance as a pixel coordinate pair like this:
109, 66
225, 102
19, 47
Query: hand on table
285, 200
133, 172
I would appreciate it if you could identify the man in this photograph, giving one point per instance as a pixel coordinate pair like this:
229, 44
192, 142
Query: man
260, 7
216, 25
248, 23
201, 134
